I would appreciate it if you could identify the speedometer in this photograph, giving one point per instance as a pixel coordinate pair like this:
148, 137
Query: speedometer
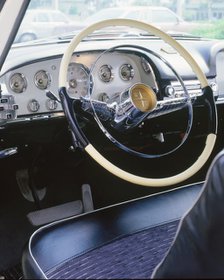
78, 81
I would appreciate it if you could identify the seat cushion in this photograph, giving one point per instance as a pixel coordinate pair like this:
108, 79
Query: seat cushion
126, 238
131, 257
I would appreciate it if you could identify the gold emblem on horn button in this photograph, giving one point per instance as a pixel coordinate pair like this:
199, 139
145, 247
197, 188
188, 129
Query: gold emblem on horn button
143, 97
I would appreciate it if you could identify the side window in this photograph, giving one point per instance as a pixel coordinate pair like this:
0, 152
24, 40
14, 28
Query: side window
164, 16
42, 17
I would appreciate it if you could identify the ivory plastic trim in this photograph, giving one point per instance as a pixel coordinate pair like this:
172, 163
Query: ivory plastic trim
155, 182
210, 141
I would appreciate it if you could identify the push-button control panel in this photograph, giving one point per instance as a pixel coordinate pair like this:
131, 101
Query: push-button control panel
8, 108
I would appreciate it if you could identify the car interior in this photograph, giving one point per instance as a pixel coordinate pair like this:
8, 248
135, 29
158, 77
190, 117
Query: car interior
111, 153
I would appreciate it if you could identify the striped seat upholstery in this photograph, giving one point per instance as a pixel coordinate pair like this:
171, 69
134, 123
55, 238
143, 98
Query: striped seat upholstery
121, 241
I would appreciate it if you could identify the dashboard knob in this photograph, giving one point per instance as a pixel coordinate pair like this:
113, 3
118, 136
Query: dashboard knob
169, 91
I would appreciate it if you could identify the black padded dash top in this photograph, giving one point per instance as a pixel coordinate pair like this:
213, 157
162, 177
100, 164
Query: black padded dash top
56, 250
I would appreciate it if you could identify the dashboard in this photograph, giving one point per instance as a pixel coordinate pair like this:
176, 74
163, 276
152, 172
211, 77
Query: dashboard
28, 84
103, 75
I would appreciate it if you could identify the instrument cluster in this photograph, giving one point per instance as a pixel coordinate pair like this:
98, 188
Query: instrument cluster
102, 76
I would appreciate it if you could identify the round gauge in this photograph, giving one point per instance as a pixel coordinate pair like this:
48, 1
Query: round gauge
33, 105
51, 104
145, 65
18, 83
78, 81
105, 73
126, 72
103, 97
42, 79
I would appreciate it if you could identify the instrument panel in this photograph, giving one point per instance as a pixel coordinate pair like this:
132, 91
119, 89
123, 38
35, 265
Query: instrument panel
101, 75
78, 80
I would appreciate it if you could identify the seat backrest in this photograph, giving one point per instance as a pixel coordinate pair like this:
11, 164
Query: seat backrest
198, 249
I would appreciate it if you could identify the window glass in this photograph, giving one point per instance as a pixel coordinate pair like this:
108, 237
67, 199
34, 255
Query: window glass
146, 15
105, 14
163, 16
203, 18
42, 17
58, 17
134, 15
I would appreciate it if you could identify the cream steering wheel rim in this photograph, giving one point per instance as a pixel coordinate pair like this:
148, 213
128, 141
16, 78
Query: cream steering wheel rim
99, 158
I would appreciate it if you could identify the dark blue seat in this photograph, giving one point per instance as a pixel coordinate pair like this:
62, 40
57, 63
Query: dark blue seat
174, 234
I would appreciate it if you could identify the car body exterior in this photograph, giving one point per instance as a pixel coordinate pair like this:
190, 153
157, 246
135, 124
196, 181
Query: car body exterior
39, 23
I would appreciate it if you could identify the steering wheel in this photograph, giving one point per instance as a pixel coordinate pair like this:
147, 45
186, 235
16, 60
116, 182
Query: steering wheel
141, 105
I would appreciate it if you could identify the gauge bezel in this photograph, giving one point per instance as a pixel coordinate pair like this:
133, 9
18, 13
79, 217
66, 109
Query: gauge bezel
146, 65
100, 73
48, 104
131, 69
36, 80
70, 88
29, 104
103, 97
23, 80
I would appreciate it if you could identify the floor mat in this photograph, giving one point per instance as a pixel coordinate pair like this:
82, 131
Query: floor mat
12, 273
15, 231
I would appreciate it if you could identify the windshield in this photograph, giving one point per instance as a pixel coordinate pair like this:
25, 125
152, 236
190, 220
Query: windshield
46, 18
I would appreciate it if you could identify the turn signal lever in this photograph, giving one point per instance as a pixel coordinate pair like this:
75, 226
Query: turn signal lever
52, 96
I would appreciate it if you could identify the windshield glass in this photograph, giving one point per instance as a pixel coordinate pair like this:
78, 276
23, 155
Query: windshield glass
45, 18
